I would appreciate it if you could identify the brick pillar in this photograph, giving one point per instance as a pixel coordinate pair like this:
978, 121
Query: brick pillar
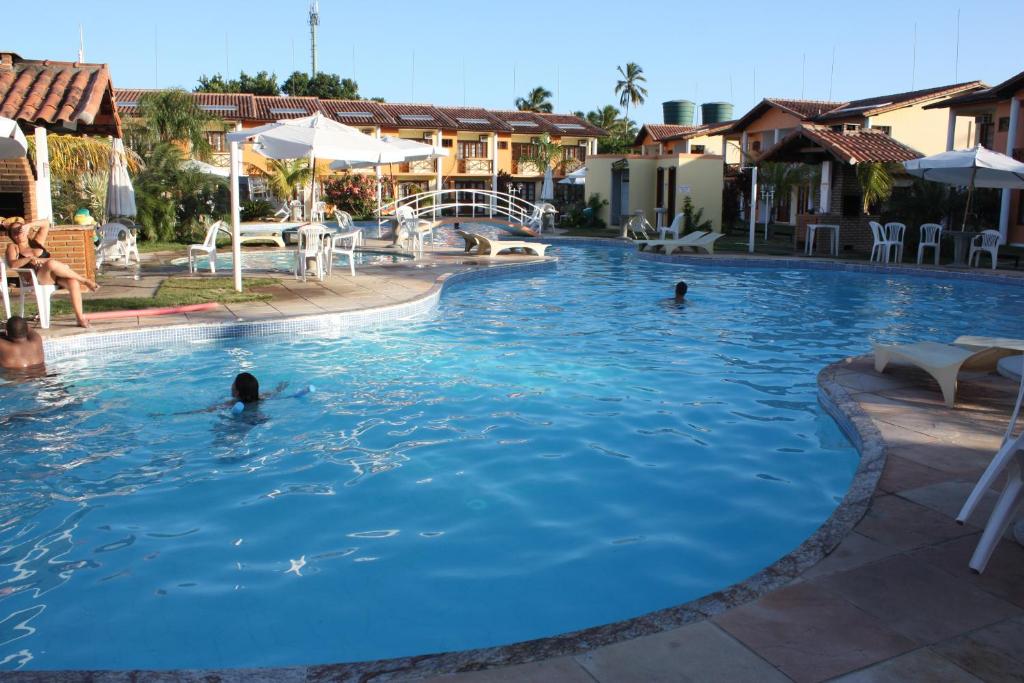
16, 177
73, 245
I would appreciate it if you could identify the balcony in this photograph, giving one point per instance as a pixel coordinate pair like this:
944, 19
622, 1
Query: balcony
426, 166
523, 167
475, 166
570, 165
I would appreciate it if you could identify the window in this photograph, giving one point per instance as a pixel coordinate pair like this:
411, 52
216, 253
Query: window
837, 129
885, 129
473, 122
577, 153
287, 110
217, 140
472, 150
697, 149
1004, 124
218, 107
522, 149
852, 205
446, 142
527, 191
416, 117
756, 146
502, 144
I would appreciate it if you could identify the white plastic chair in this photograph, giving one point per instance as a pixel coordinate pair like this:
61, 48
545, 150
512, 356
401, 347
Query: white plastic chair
311, 248
931, 236
343, 219
343, 243
208, 247
4, 294
894, 233
319, 210
880, 247
284, 213
415, 229
674, 228
117, 242
986, 242
28, 282
1010, 457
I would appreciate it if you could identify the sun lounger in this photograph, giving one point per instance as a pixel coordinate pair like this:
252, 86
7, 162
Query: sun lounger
707, 243
495, 247
472, 240
261, 233
668, 246
942, 361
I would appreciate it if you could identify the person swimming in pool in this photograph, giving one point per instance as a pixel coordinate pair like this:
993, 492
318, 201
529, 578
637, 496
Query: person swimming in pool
681, 289
30, 252
21, 347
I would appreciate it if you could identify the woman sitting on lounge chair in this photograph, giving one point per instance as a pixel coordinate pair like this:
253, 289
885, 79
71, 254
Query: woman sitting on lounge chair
31, 253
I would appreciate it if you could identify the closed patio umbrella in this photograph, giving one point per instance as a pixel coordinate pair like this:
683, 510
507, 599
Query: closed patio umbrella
13, 144
970, 168
547, 189
120, 193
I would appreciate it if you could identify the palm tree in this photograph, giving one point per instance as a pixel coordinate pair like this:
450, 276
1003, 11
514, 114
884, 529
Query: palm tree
284, 175
608, 117
72, 156
875, 181
170, 116
629, 89
537, 100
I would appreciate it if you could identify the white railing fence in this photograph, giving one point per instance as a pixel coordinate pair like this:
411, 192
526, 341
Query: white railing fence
469, 203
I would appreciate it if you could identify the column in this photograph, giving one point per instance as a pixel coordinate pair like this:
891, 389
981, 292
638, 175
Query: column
44, 194
725, 150
438, 162
236, 226
825, 203
743, 147
1011, 141
951, 130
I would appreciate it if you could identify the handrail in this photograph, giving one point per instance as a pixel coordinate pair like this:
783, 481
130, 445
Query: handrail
502, 204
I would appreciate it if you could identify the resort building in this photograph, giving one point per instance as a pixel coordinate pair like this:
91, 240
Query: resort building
482, 143
995, 123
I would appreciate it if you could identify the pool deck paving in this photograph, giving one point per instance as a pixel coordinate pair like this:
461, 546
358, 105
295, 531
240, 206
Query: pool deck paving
894, 601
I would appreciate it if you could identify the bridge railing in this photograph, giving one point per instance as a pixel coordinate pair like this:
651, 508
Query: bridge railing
479, 203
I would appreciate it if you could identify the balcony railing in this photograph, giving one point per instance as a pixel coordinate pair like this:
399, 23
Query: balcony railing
422, 166
570, 165
522, 167
475, 166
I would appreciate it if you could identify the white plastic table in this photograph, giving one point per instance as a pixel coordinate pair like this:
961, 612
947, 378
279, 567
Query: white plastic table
812, 228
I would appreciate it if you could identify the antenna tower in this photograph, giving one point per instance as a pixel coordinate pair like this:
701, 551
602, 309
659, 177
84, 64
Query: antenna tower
314, 21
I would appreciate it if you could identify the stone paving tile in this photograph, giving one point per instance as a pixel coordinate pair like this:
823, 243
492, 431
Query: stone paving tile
962, 463
562, 669
854, 551
994, 653
811, 633
857, 381
904, 525
698, 652
1003, 576
161, 320
901, 474
948, 497
919, 665
918, 600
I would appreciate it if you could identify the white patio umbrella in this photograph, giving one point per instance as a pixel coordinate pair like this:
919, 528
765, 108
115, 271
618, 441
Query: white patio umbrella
203, 167
547, 188
120, 193
970, 168
13, 144
577, 177
313, 137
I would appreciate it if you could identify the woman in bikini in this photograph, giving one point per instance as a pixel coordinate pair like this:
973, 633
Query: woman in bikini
26, 252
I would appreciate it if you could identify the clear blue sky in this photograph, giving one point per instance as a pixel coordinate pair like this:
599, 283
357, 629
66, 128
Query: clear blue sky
701, 51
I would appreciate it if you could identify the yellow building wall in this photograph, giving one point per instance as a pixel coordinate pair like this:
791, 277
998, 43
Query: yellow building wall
924, 129
699, 177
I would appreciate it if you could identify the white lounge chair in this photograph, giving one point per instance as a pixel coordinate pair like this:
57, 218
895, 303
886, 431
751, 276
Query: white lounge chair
284, 213
707, 242
117, 241
942, 361
311, 248
894, 233
931, 237
985, 243
27, 282
1009, 458
472, 240
880, 245
490, 247
674, 227
343, 243
415, 229
343, 219
540, 212
668, 246
208, 247
4, 287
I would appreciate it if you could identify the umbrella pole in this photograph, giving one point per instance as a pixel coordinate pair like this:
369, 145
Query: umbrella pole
236, 228
312, 187
970, 193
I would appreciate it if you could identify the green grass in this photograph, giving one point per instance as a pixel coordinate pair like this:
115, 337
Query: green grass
175, 291
150, 247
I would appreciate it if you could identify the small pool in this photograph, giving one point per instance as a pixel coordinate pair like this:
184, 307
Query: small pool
547, 452
283, 260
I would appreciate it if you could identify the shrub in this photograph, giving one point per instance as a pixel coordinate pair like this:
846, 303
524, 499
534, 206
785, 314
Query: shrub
356, 194
257, 209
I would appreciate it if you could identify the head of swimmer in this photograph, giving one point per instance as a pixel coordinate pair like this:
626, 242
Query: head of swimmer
681, 291
17, 328
245, 388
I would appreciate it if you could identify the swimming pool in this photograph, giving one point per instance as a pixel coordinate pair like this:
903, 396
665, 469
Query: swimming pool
283, 260
548, 452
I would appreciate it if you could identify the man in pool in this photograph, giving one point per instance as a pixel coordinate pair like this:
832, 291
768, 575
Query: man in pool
681, 289
20, 347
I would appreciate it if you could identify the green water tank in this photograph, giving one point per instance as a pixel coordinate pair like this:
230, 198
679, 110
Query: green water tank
715, 112
678, 112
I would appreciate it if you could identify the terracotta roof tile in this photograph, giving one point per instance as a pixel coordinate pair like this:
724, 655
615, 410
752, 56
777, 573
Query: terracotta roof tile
419, 116
274, 108
805, 109
358, 112
475, 118
58, 95
851, 147
567, 124
526, 122
877, 105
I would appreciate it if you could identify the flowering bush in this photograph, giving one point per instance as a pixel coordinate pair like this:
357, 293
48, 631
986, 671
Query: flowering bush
354, 193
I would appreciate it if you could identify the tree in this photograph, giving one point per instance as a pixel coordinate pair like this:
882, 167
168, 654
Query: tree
545, 153
608, 117
537, 100
323, 85
262, 83
629, 88
170, 116
284, 175
875, 181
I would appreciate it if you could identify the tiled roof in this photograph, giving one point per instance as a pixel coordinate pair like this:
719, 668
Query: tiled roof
1003, 90
660, 131
58, 95
525, 122
702, 129
802, 109
474, 118
566, 124
358, 112
228, 106
274, 108
851, 147
419, 116
872, 106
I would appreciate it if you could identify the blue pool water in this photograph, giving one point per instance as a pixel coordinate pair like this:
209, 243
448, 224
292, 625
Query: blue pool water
546, 452
283, 260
